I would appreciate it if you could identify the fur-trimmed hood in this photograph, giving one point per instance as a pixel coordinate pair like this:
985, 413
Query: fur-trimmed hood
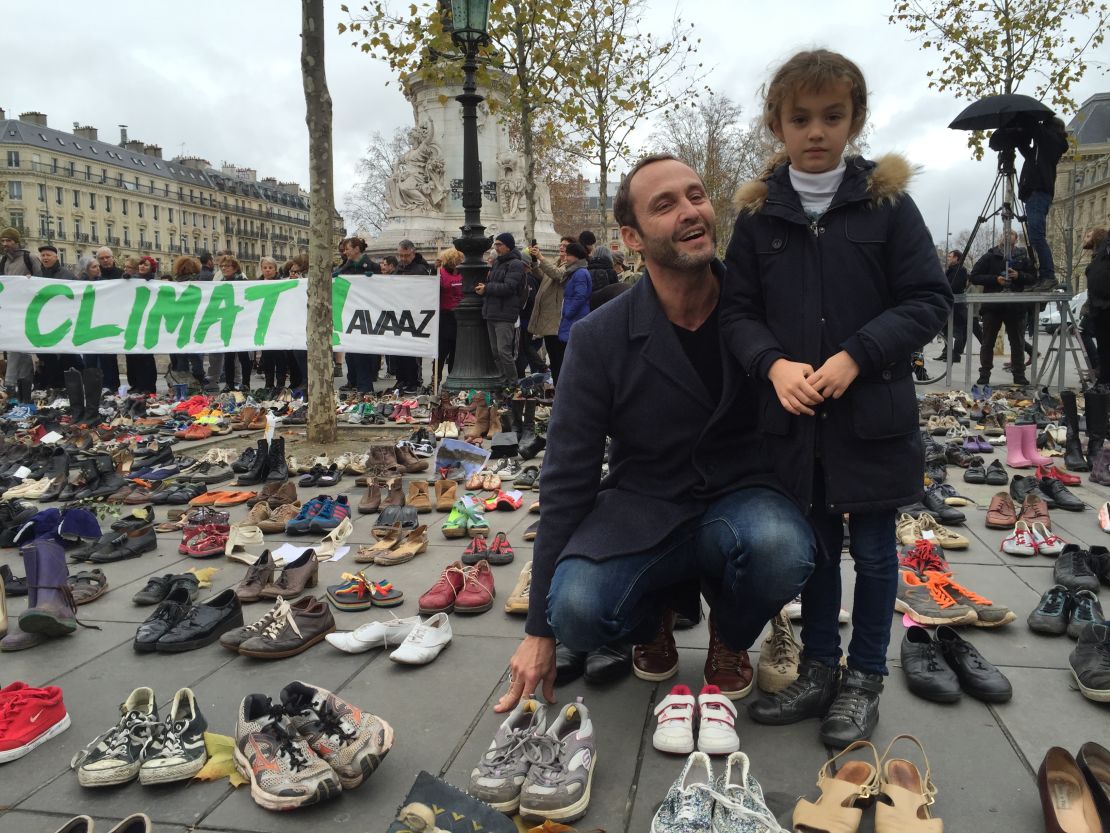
887, 179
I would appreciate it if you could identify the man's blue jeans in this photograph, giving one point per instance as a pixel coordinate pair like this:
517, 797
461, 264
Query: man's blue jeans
1036, 219
752, 552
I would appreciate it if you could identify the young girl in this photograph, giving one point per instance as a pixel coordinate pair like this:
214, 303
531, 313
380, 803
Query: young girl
833, 280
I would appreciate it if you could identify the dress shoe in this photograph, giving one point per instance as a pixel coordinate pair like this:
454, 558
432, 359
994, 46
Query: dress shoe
854, 712
1066, 799
927, 674
569, 665
977, 677
933, 501
1001, 512
1021, 486
203, 624
1094, 763
608, 664
808, 696
1059, 496
170, 611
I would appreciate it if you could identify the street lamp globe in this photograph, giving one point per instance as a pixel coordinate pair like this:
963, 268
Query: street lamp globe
469, 19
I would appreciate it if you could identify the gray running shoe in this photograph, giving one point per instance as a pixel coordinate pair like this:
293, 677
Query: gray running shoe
351, 741
178, 750
688, 807
927, 603
562, 767
740, 806
115, 756
283, 770
499, 776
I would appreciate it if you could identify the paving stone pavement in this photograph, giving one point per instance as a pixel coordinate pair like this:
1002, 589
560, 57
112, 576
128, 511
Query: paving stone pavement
983, 757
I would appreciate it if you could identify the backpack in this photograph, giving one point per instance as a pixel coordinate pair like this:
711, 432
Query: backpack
26, 262
528, 287
601, 273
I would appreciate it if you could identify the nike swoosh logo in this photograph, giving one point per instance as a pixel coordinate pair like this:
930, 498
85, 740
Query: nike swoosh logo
37, 716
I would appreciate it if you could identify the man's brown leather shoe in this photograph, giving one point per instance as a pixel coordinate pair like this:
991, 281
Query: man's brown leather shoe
658, 659
1001, 514
730, 671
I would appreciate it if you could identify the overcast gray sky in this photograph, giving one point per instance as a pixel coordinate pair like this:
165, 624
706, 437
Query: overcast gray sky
223, 79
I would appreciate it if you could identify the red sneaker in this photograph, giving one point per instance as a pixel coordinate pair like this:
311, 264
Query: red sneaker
478, 592
29, 717
1054, 473
475, 551
440, 597
924, 556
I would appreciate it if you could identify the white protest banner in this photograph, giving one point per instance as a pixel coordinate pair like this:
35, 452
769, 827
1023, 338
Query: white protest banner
383, 314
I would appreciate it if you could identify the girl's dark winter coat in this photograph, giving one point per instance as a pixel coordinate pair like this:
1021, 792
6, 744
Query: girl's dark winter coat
864, 278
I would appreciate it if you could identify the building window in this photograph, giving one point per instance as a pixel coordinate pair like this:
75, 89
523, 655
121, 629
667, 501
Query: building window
71, 169
58, 196
77, 230
42, 193
93, 232
107, 203
53, 164
155, 212
76, 198
126, 236
204, 220
44, 227
169, 212
13, 158
157, 239
124, 206
141, 209
88, 172
17, 219
92, 200
15, 189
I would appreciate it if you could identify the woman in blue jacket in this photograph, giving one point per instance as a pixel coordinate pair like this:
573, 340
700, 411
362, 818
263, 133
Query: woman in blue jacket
576, 290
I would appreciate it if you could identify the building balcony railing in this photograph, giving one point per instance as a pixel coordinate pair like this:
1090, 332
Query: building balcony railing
61, 235
81, 238
113, 241
175, 249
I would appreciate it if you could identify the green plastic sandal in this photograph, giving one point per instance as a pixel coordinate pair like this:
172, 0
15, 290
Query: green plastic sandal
455, 525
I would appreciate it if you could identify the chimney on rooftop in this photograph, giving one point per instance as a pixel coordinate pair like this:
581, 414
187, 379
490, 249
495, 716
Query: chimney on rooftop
122, 135
154, 150
86, 132
34, 117
135, 146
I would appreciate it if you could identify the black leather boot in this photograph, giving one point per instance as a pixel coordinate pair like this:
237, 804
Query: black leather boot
1095, 403
808, 696
93, 379
258, 471
59, 471
279, 468
516, 410
530, 445
75, 392
23, 386
569, 665
108, 480
608, 664
1073, 447
855, 711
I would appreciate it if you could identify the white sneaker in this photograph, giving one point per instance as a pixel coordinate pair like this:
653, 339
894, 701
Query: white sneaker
387, 634
424, 642
794, 611
717, 729
675, 731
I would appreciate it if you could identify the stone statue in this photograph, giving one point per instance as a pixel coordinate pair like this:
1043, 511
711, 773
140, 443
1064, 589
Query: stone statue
510, 184
419, 182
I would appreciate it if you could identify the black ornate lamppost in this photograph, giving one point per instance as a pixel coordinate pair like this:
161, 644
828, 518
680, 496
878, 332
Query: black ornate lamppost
473, 366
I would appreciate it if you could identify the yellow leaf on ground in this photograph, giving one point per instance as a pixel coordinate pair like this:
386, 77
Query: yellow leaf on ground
221, 761
204, 580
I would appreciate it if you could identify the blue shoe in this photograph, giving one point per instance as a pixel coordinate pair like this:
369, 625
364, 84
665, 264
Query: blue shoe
301, 525
975, 392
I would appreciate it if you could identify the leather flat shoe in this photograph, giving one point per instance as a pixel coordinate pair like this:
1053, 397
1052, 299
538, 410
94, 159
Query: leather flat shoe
996, 474
928, 675
1094, 763
1066, 799
977, 677
1060, 496
203, 624
569, 665
608, 664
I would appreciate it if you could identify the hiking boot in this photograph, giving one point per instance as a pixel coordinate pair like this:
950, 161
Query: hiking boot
1052, 612
1073, 570
562, 760
779, 657
351, 741
1090, 662
177, 751
658, 659
283, 770
855, 711
115, 756
927, 602
730, 671
499, 775
808, 696
1085, 609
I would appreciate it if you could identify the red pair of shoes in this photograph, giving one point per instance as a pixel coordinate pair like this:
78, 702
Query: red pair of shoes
460, 589
1052, 473
504, 501
28, 718
498, 551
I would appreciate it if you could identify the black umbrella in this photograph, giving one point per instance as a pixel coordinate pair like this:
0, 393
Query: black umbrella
997, 111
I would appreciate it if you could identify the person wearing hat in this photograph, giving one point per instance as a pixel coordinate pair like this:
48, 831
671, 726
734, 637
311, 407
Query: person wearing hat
502, 297
52, 267
16, 260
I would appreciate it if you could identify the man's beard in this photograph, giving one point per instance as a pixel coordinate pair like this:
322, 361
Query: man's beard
665, 253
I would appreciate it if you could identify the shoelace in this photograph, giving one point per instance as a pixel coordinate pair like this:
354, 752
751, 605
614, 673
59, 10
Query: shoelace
970, 595
923, 558
9, 708
937, 591
972, 655
471, 580
286, 738
168, 741
1054, 602
507, 752
545, 754
282, 616
721, 656
782, 646
849, 703
445, 580
728, 800
134, 725
67, 592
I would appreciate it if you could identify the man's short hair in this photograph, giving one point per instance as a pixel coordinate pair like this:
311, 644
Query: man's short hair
391, 260
407, 245
956, 253
587, 238
104, 250
622, 205
204, 256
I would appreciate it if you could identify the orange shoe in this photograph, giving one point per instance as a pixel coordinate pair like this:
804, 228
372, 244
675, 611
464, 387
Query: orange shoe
989, 614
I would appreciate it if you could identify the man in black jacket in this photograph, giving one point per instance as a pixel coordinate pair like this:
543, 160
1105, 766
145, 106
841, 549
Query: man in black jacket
1004, 268
1097, 242
688, 505
409, 262
502, 295
957, 280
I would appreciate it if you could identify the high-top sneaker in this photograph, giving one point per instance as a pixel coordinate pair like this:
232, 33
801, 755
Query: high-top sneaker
177, 751
115, 756
855, 711
810, 695
353, 742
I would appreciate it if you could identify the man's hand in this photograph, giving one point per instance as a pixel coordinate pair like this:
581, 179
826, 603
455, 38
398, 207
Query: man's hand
791, 381
479, 289
533, 661
833, 377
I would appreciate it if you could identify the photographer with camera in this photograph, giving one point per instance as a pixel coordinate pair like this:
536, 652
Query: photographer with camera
1042, 144
1004, 268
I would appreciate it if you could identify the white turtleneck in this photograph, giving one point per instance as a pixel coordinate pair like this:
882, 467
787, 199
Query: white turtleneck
816, 191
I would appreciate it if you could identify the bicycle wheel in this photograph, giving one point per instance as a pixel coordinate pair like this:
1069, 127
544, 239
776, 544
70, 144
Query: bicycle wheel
927, 370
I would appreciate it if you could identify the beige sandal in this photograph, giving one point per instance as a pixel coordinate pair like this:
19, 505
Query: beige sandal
904, 796
839, 809
389, 539
414, 543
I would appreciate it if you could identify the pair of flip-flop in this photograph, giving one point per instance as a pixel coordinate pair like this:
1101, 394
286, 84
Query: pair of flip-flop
356, 592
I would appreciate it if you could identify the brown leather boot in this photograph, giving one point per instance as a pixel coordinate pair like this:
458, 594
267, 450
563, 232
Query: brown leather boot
730, 671
658, 659
372, 500
481, 422
447, 492
409, 461
383, 461
394, 496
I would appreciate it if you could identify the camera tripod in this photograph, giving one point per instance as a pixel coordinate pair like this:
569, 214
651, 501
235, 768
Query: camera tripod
1005, 178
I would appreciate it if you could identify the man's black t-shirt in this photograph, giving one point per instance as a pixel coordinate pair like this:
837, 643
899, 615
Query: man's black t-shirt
703, 348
